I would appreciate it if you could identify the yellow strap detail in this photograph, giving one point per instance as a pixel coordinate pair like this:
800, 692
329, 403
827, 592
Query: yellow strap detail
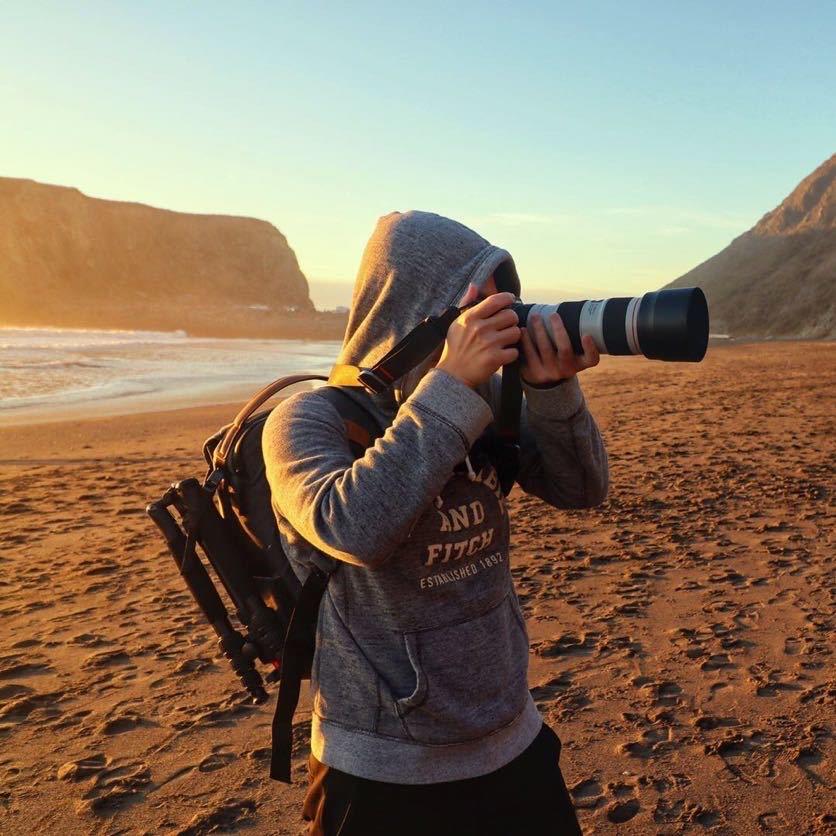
344, 376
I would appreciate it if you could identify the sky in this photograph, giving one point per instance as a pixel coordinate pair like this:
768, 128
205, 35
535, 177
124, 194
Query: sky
609, 146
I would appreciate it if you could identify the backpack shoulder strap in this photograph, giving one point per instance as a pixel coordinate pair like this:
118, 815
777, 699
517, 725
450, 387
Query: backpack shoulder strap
361, 427
234, 430
299, 646
361, 430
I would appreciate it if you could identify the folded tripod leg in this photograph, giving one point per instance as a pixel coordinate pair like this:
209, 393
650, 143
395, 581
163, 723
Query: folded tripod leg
240, 653
202, 522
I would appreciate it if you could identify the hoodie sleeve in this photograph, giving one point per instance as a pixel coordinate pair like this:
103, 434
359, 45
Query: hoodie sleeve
360, 510
563, 460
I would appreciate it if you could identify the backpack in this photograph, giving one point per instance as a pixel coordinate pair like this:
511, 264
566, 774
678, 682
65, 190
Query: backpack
231, 518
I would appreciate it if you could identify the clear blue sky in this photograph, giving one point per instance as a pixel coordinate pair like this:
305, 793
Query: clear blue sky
610, 146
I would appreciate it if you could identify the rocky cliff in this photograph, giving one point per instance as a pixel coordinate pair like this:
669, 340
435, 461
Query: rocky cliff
70, 260
779, 278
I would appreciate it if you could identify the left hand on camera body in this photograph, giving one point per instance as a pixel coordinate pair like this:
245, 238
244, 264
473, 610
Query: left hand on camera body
543, 362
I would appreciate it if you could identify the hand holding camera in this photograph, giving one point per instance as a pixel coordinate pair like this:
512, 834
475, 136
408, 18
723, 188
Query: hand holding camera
482, 339
550, 362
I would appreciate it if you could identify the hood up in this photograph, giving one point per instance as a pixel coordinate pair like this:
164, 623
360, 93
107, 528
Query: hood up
416, 264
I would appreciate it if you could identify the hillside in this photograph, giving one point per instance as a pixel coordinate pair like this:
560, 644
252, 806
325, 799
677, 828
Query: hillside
779, 278
70, 260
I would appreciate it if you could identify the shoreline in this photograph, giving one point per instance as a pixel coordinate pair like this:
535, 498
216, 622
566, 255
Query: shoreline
71, 374
229, 395
215, 324
126, 405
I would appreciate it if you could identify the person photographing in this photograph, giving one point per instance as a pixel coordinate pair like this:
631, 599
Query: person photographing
422, 718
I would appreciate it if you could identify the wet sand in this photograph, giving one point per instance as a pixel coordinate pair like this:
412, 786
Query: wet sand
681, 633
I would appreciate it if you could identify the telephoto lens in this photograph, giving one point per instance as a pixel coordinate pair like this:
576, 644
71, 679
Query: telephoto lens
661, 325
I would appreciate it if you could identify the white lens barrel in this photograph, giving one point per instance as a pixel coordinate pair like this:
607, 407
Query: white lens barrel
631, 325
595, 319
592, 322
544, 312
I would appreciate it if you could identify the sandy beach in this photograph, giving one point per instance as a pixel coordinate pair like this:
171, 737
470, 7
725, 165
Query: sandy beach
681, 633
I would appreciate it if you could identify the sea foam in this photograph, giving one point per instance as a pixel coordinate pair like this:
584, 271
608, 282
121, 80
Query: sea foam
51, 368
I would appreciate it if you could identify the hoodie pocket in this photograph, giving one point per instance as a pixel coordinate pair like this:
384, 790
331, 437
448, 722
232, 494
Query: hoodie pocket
470, 677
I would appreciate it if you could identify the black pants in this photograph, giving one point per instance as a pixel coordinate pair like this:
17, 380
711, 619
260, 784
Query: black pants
526, 796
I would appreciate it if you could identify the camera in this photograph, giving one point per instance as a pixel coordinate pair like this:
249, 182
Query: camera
661, 325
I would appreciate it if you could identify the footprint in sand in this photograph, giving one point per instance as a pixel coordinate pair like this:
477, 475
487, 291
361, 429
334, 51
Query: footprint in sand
674, 781
27, 643
653, 743
14, 690
708, 722
587, 794
115, 786
772, 821
625, 804
82, 769
194, 666
567, 645
622, 811
122, 723
262, 754
716, 662
792, 646
18, 708
12, 668
215, 761
221, 713
684, 813
665, 693
106, 659
551, 688
228, 817
749, 756
88, 640
736, 744
770, 682
823, 694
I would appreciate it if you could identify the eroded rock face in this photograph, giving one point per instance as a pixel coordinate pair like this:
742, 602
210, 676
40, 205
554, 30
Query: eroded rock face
70, 260
810, 208
779, 278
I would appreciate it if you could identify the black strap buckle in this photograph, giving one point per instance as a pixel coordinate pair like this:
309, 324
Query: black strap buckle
372, 383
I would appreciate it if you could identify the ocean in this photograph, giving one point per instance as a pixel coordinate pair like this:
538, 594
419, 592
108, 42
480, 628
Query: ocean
47, 371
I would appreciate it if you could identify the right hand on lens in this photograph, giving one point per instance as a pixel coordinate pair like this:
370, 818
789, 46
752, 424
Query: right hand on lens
482, 339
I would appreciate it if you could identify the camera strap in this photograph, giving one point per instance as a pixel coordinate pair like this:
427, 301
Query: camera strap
507, 460
415, 347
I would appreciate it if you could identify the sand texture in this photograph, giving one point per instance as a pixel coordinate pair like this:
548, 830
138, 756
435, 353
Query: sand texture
681, 633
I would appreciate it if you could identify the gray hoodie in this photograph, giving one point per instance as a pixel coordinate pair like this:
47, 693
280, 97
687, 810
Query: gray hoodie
420, 672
